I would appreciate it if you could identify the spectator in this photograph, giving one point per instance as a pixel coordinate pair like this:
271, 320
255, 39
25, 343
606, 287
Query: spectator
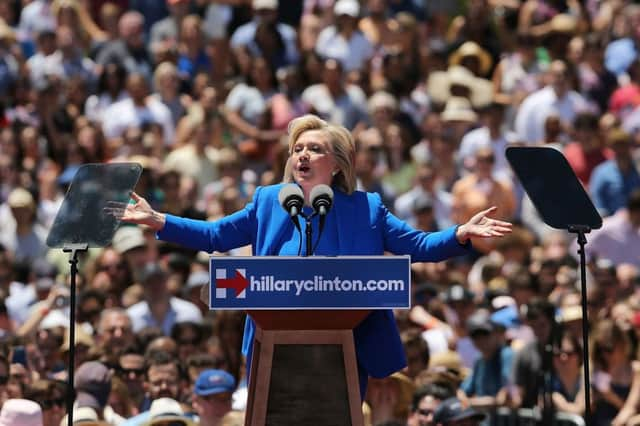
619, 237
568, 381
587, 150
130, 369
92, 382
166, 31
489, 382
128, 50
533, 363
612, 181
137, 111
27, 241
426, 400
114, 334
162, 380
555, 98
265, 11
212, 396
615, 377
159, 308
343, 41
334, 99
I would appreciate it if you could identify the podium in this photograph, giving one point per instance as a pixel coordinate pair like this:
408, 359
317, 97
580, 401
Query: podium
304, 368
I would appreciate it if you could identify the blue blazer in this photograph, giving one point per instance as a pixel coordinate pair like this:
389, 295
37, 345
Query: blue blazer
364, 227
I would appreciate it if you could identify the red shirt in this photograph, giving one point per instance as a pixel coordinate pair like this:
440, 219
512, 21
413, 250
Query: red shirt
583, 163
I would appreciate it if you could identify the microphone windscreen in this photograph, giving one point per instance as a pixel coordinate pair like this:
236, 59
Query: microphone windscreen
288, 191
323, 191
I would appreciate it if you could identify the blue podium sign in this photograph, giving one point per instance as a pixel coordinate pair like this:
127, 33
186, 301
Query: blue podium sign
273, 282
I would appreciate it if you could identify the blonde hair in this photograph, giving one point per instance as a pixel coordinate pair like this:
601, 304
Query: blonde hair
342, 144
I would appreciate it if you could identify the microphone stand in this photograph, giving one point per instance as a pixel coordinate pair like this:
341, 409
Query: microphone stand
308, 234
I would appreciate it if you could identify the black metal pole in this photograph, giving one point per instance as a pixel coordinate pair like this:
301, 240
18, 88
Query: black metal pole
73, 249
581, 230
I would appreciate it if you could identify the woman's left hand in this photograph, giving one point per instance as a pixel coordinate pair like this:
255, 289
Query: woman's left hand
482, 226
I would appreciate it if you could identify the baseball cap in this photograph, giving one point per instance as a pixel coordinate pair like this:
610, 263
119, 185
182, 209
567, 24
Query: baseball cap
347, 7
457, 293
480, 322
93, 385
20, 197
211, 382
128, 238
451, 410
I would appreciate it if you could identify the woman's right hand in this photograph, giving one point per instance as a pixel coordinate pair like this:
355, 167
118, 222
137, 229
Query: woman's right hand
140, 212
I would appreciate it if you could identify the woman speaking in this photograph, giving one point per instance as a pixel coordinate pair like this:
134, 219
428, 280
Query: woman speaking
357, 224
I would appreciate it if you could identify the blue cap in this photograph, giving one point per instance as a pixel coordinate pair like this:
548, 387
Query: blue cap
619, 55
507, 317
210, 382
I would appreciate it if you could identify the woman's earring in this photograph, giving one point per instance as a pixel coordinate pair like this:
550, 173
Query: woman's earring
333, 173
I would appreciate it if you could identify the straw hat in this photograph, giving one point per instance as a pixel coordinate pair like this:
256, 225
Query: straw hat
458, 109
471, 48
440, 83
6, 33
563, 23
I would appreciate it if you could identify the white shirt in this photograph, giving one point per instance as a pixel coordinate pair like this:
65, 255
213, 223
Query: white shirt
536, 107
36, 16
179, 311
481, 138
617, 240
124, 114
352, 53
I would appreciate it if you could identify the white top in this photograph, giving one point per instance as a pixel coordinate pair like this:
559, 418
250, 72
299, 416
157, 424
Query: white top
179, 311
352, 54
539, 105
124, 114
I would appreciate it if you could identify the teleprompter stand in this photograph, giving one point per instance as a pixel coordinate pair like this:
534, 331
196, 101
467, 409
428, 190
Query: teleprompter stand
562, 203
83, 221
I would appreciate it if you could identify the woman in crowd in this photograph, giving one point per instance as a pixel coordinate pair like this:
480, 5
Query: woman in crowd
357, 224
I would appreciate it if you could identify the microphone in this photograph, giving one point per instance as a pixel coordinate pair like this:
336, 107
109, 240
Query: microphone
321, 199
291, 199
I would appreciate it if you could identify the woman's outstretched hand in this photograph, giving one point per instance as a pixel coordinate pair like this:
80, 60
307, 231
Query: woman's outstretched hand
139, 213
481, 225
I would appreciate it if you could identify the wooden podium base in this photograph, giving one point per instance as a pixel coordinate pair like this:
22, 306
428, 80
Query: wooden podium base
304, 376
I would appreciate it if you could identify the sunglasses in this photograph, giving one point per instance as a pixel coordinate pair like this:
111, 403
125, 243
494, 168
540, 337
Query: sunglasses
50, 403
127, 371
425, 412
566, 353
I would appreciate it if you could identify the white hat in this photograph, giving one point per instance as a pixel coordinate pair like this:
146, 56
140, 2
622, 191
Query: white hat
84, 416
167, 409
347, 7
127, 238
264, 4
458, 109
21, 412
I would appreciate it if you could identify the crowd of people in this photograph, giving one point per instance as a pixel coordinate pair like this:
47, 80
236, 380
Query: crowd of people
200, 93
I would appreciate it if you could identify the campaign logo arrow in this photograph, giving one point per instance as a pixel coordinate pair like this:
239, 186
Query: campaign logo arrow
239, 283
